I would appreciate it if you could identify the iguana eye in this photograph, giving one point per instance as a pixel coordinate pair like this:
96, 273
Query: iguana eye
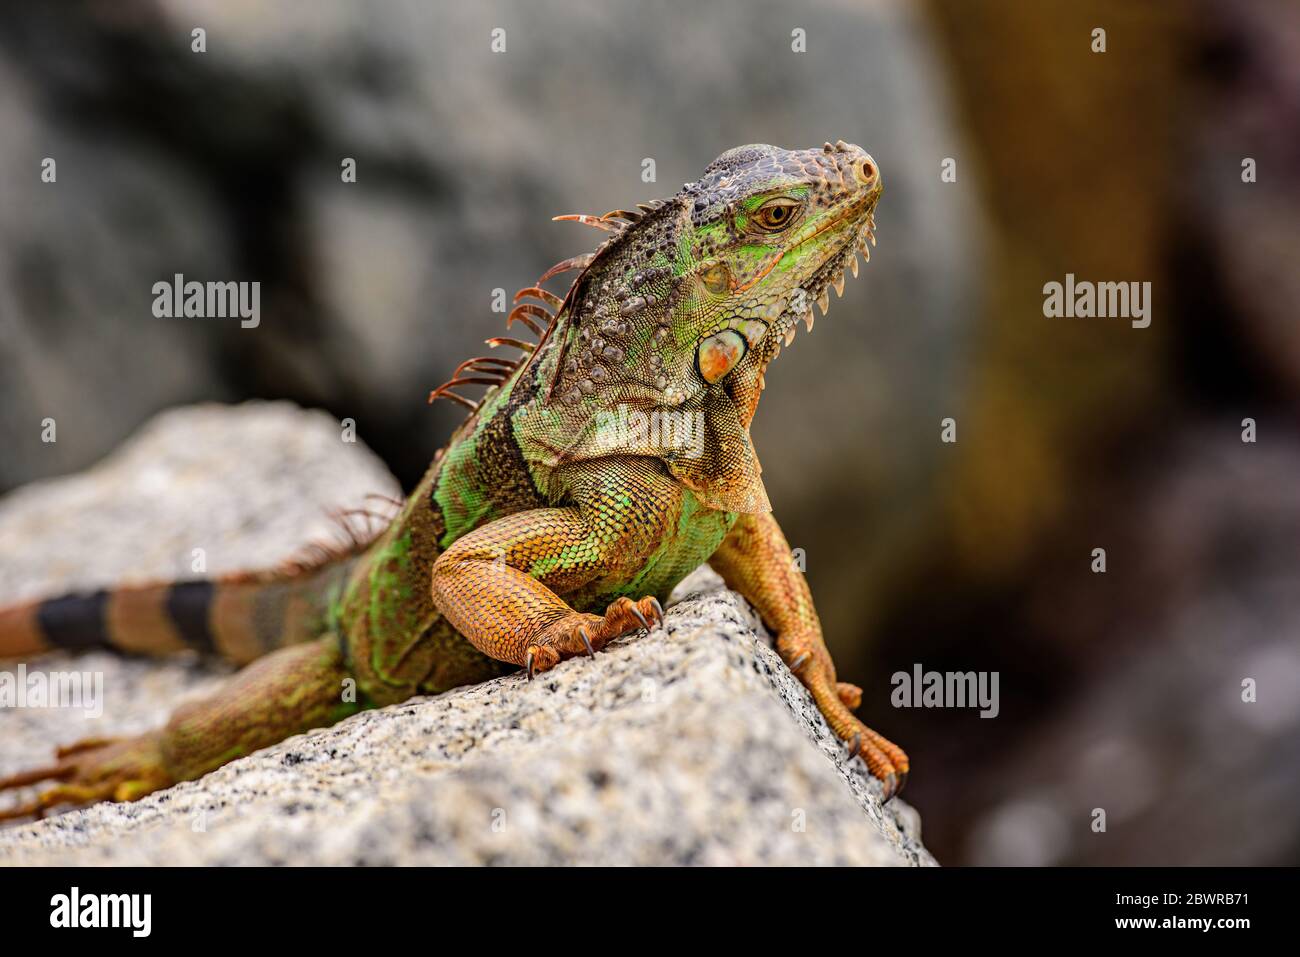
719, 354
775, 215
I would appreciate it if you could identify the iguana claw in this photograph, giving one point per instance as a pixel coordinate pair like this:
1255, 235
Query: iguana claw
890, 787
884, 759
585, 634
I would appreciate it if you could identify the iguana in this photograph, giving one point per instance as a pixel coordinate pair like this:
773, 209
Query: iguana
597, 470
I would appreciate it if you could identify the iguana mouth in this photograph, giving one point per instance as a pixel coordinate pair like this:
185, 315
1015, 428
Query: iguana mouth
852, 210
830, 274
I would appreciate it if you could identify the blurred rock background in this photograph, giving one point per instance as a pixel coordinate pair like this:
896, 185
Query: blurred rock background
1119, 691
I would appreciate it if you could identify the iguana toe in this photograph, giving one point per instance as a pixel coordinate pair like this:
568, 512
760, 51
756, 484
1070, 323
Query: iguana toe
884, 759
850, 694
584, 634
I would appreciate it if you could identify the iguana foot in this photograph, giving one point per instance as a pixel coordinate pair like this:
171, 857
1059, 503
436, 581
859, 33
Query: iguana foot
884, 759
810, 662
850, 696
97, 769
583, 634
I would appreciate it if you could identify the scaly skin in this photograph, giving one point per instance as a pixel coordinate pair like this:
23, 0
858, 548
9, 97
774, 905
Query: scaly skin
594, 475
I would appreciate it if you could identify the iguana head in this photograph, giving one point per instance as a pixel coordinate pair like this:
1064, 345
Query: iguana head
680, 312
771, 230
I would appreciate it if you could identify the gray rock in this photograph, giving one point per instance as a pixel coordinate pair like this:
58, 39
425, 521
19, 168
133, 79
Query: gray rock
688, 745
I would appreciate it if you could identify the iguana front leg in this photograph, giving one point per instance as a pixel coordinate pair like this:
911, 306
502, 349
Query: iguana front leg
755, 560
500, 585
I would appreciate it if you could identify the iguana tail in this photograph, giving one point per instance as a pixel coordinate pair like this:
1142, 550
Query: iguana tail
236, 617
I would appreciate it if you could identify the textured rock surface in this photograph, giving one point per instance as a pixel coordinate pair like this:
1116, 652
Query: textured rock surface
692, 744
247, 484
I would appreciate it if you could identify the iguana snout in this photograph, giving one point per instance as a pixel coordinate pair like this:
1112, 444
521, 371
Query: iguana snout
772, 231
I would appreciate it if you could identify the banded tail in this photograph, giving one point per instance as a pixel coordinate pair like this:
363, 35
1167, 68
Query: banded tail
237, 617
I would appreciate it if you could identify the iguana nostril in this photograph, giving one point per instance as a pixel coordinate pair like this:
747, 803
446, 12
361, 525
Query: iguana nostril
866, 171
